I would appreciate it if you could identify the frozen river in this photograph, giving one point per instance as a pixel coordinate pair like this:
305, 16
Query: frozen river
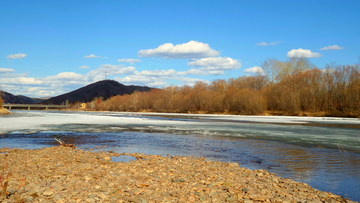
323, 152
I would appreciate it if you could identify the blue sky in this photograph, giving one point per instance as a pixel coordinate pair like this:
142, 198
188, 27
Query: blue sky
51, 47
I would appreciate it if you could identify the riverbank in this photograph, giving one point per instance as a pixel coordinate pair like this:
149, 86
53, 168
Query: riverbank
62, 174
4, 111
265, 113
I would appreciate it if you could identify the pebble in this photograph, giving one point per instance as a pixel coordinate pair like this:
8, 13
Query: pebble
62, 174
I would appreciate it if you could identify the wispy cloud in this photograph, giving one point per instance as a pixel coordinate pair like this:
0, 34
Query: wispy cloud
255, 70
16, 56
189, 50
266, 44
94, 56
156, 73
131, 61
84, 67
302, 53
211, 66
108, 69
333, 47
6, 70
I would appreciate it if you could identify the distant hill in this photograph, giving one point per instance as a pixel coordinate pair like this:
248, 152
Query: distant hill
19, 99
104, 89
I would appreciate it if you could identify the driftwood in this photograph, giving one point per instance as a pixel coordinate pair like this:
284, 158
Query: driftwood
62, 143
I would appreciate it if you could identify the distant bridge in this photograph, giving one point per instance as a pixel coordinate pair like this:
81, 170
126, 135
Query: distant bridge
33, 106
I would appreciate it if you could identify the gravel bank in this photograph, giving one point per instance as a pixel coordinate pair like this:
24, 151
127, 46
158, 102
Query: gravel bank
62, 174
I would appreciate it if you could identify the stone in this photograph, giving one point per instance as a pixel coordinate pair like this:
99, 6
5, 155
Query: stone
230, 199
192, 198
177, 180
91, 200
48, 192
29, 199
107, 158
102, 196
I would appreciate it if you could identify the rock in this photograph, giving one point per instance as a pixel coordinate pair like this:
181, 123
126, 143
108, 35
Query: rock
29, 199
192, 198
48, 192
107, 158
133, 200
330, 200
322, 195
11, 191
91, 200
32, 186
177, 180
102, 196
231, 199
88, 177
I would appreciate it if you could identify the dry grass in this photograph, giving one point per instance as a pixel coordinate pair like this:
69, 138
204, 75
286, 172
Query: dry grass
4, 111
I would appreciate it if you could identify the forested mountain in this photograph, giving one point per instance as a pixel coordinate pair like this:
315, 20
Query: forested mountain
104, 89
18, 99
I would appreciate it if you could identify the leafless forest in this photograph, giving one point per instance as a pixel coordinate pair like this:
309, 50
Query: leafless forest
294, 87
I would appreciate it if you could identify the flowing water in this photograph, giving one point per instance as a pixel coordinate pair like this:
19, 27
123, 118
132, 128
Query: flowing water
323, 152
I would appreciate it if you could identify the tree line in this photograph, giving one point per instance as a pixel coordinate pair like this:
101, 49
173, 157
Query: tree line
293, 87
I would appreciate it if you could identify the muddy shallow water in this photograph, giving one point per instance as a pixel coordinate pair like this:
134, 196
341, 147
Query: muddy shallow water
321, 152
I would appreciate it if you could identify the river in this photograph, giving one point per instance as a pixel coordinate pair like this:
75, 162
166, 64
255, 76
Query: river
323, 152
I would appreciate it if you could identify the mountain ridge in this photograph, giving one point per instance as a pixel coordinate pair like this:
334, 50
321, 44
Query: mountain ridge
18, 99
104, 89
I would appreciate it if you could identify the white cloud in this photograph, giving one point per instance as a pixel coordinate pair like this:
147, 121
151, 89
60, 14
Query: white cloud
201, 72
156, 81
41, 91
255, 69
6, 70
302, 53
84, 67
211, 66
156, 73
16, 56
109, 69
64, 78
328, 70
69, 76
152, 78
333, 47
142, 80
131, 61
215, 63
57, 84
190, 81
93, 56
266, 44
192, 49
21, 81
32, 89
261, 44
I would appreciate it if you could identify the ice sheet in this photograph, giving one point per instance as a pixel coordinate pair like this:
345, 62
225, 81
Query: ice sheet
261, 127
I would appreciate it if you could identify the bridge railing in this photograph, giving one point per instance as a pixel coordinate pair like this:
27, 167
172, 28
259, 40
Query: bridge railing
29, 106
